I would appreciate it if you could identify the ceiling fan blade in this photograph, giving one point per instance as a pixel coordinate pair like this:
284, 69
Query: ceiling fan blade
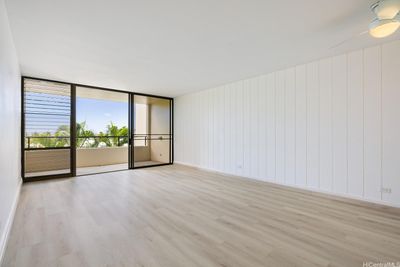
387, 9
348, 39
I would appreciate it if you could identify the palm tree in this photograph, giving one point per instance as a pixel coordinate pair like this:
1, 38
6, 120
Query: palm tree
85, 137
119, 136
41, 140
62, 134
46, 139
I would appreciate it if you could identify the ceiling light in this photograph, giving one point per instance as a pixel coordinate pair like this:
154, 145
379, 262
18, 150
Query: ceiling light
380, 28
386, 9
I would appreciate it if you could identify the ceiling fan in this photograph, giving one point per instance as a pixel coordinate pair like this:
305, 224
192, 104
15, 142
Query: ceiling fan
387, 19
386, 22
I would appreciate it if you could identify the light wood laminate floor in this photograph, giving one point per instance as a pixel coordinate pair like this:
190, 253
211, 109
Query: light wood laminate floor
179, 216
99, 169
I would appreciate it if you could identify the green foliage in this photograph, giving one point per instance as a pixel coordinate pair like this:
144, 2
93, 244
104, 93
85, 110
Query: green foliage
46, 139
119, 136
85, 138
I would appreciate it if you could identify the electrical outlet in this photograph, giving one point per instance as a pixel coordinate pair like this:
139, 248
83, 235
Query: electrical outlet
386, 190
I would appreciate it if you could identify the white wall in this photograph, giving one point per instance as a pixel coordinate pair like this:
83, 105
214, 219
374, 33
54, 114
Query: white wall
10, 126
332, 125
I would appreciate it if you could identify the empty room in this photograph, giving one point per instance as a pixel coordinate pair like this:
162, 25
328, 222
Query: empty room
200, 133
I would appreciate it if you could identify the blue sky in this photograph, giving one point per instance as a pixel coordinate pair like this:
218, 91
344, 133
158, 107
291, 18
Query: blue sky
99, 113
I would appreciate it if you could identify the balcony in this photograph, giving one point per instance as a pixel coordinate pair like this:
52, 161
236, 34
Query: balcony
94, 154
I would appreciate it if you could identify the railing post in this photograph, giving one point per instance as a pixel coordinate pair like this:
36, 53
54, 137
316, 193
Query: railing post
29, 142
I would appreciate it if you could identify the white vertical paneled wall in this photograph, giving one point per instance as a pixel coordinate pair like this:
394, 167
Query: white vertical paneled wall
332, 125
390, 61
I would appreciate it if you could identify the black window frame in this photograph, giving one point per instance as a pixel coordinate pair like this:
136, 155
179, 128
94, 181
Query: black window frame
73, 129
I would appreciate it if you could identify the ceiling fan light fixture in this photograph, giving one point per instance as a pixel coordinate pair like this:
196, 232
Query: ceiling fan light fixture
380, 28
386, 9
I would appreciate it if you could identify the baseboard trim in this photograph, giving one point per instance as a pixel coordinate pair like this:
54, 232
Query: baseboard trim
313, 190
5, 236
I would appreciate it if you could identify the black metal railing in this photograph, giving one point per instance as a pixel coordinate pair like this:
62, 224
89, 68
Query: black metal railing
47, 142
60, 142
93, 141
151, 137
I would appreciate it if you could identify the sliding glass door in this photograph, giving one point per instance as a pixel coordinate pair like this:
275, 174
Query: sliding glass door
46, 121
102, 133
70, 129
152, 131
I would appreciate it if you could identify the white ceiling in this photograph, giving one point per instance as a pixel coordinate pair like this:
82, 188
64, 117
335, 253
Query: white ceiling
178, 46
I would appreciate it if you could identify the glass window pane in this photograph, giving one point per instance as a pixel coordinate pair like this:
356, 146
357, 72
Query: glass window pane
152, 139
47, 110
102, 134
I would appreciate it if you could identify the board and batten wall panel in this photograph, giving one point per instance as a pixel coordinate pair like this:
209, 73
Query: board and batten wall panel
228, 118
280, 127
254, 127
246, 128
332, 125
339, 124
290, 126
325, 124
262, 104
301, 125
391, 121
372, 122
271, 127
313, 125
355, 144
238, 128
